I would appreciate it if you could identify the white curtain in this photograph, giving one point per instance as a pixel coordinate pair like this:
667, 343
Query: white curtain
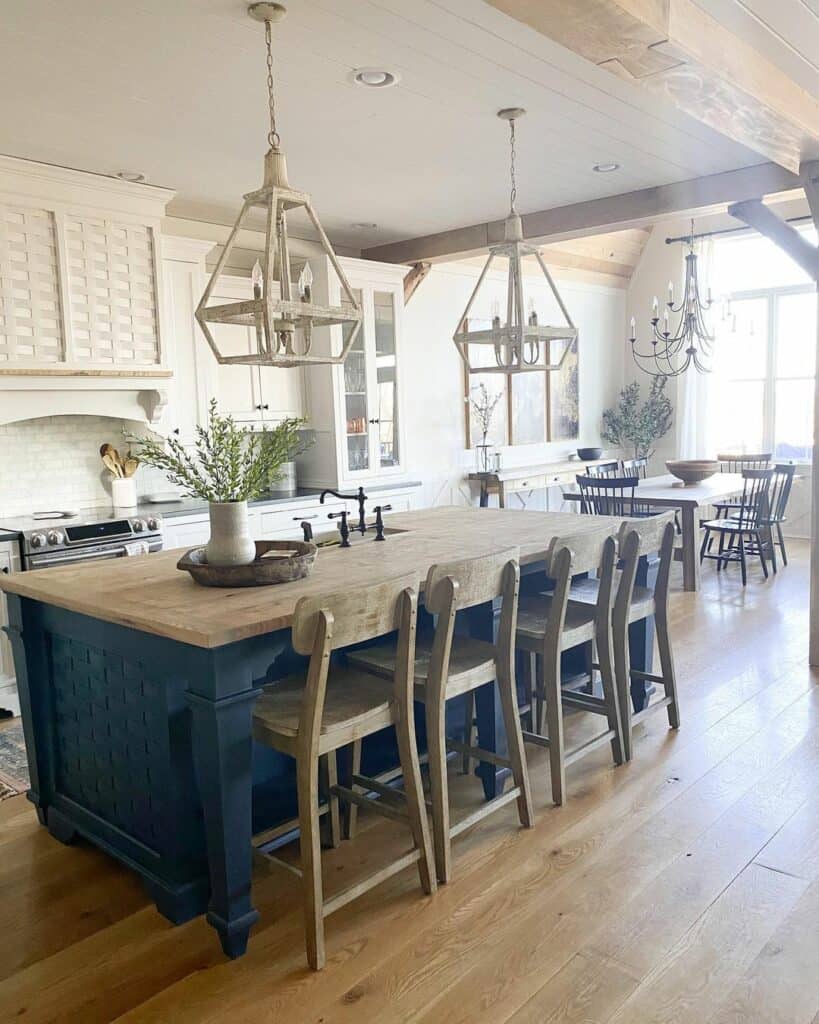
695, 391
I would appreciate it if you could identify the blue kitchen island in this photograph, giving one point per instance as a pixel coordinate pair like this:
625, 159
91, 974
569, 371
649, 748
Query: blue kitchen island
137, 689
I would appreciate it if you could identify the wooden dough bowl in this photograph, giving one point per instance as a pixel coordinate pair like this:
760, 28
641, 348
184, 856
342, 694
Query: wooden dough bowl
276, 561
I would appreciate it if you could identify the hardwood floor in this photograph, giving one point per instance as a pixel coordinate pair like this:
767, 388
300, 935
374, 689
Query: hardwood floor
682, 887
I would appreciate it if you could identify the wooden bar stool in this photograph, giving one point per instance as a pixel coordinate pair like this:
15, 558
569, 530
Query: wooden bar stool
311, 716
453, 665
634, 603
549, 624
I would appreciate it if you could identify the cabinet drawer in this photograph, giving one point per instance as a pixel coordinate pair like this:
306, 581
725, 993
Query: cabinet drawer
528, 483
283, 524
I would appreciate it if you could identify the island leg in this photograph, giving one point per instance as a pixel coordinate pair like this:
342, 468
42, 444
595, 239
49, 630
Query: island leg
488, 709
222, 752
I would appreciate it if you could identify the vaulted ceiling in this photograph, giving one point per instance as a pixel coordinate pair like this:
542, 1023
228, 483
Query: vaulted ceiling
176, 90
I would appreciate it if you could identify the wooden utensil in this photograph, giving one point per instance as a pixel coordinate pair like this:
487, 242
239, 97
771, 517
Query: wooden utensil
130, 466
112, 465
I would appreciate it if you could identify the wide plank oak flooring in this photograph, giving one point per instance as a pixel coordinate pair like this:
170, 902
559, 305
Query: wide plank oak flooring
682, 888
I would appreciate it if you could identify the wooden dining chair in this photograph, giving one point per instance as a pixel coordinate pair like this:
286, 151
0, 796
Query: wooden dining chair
454, 665
548, 625
607, 496
604, 469
746, 530
310, 716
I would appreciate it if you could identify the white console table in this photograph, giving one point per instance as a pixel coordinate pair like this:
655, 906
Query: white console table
518, 479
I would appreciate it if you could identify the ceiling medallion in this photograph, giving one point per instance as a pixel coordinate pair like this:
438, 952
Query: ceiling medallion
283, 314
691, 344
521, 343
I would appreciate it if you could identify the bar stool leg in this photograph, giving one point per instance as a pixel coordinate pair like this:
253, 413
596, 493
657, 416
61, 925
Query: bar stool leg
328, 772
622, 675
307, 786
351, 810
439, 787
608, 679
514, 739
416, 806
550, 667
469, 729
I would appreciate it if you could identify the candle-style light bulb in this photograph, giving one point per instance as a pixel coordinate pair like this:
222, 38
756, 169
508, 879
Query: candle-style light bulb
633, 328
655, 306
257, 277
532, 312
665, 322
306, 283
496, 321
671, 291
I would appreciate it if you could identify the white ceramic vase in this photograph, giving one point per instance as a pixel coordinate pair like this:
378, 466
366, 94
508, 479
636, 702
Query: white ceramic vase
230, 541
123, 492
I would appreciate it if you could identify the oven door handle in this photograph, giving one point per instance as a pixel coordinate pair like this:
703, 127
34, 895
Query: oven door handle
38, 562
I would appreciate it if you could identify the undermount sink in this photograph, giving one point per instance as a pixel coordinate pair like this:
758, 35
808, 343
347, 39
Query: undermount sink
333, 538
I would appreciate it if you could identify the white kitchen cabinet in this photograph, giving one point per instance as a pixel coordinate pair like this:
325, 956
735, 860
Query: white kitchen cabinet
185, 531
9, 562
251, 394
357, 409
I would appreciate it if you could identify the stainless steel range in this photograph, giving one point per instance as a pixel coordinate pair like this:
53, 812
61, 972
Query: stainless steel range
62, 538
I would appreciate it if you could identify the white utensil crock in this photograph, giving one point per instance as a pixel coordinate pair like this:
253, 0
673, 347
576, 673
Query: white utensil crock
123, 492
230, 541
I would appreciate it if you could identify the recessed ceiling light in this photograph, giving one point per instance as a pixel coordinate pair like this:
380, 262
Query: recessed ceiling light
375, 78
363, 225
606, 168
130, 176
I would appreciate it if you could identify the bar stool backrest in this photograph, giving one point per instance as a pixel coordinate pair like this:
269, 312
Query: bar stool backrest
640, 537
570, 556
754, 505
780, 491
323, 623
748, 460
607, 496
454, 586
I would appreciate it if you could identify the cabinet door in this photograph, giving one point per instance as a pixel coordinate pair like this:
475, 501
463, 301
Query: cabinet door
6, 660
356, 413
237, 389
185, 535
384, 420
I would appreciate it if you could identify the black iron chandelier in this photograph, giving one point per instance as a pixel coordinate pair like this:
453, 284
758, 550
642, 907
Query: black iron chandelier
692, 343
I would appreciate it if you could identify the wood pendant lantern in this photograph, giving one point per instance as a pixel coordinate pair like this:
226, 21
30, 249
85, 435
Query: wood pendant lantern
521, 344
283, 321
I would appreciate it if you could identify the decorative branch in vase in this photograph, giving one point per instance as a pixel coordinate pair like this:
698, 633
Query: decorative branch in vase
634, 426
227, 466
483, 408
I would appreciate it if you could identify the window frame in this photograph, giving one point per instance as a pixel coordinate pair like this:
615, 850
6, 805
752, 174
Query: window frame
772, 297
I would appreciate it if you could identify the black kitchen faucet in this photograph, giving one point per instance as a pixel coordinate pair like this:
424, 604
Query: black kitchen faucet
361, 498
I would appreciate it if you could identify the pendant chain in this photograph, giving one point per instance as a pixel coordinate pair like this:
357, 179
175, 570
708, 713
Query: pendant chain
272, 135
513, 195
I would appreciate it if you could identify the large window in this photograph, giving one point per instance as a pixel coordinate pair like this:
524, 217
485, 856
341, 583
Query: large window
761, 395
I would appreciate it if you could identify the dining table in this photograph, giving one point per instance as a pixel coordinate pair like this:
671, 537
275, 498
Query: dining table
666, 491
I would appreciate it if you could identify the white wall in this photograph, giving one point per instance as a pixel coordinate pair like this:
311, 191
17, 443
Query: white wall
433, 378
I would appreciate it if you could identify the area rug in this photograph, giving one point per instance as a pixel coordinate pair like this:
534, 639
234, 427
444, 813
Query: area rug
13, 762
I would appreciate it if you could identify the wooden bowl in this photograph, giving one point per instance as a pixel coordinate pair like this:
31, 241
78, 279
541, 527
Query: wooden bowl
692, 471
294, 562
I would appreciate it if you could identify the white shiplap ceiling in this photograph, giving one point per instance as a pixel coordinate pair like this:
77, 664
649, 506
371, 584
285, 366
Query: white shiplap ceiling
175, 89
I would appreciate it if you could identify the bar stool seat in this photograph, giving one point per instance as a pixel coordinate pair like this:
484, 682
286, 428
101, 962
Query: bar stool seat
534, 612
586, 591
472, 663
353, 700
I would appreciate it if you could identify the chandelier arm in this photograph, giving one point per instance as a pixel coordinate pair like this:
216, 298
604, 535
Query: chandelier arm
519, 301
475, 290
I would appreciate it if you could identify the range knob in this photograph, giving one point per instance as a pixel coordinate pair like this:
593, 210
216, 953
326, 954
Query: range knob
138, 525
38, 540
55, 537
153, 524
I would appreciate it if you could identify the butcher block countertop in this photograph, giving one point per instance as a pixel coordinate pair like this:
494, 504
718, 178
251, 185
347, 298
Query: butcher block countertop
150, 594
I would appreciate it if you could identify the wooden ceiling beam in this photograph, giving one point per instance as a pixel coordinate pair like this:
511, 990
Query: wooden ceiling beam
757, 215
810, 180
612, 213
676, 50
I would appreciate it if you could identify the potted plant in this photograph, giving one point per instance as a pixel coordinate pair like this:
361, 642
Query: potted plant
483, 407
634, 426
227, 466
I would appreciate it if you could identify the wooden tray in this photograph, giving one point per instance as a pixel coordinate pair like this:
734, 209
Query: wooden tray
294, 562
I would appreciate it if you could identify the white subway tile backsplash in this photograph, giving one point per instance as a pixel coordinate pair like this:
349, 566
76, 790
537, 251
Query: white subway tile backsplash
54, 462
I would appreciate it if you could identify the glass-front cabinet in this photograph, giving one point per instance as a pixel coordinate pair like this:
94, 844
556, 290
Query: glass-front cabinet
369, 379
